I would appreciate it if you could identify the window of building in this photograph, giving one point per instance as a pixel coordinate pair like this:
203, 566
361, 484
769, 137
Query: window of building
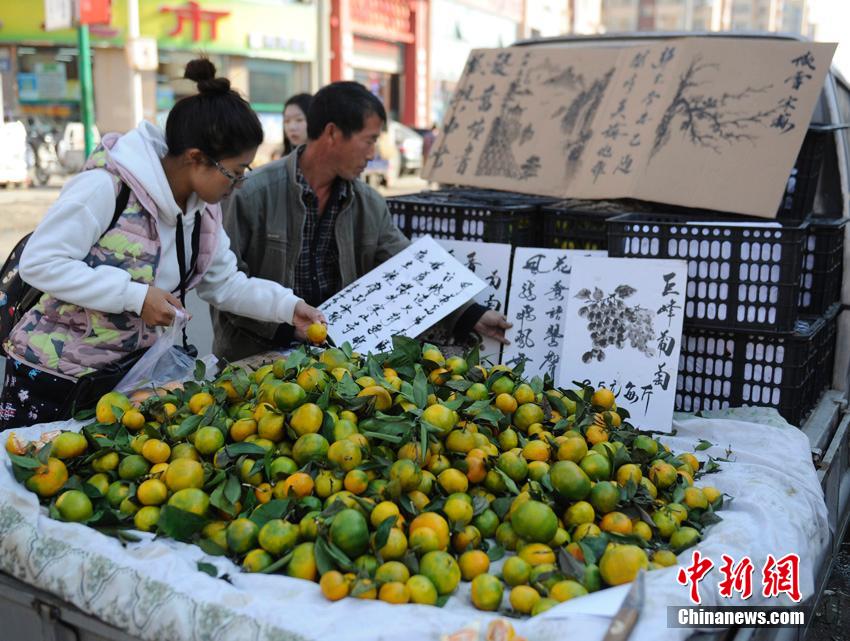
48, 82
271, 82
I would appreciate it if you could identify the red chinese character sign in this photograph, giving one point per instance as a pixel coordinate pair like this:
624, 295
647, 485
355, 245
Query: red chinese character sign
195, 17
623, 331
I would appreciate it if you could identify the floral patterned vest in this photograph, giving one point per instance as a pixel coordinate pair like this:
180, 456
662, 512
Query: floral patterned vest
71, 341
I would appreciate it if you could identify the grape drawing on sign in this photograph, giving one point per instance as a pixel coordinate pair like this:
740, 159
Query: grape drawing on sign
611, 322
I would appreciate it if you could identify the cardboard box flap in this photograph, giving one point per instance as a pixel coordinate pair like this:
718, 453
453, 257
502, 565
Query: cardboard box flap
714, 123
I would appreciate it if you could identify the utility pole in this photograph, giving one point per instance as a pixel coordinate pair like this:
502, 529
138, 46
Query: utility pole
133, 32
86, 89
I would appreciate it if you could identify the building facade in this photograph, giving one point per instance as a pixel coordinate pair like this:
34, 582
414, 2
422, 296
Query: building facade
268, 48
789, 16
383, 44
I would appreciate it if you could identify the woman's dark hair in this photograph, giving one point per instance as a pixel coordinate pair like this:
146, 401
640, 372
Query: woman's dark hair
302, 101
216, 120
346, 104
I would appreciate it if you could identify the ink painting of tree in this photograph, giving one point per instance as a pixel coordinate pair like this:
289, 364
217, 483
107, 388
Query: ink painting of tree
710, 121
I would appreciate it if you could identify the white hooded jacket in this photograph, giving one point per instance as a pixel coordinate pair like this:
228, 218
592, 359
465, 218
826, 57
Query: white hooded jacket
53, 258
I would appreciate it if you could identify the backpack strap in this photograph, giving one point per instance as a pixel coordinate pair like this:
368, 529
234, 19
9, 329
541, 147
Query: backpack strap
120, 205
31, 295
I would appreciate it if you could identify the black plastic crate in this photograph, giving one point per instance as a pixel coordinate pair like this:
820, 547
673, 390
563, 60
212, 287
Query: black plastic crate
800, 190
578, 224
823, 259
720, 369
470, 214
825, 354
741, 275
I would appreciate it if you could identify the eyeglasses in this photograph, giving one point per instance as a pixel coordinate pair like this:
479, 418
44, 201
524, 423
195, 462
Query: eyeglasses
233, 178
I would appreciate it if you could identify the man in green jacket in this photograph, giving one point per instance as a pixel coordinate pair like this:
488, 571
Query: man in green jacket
306, 221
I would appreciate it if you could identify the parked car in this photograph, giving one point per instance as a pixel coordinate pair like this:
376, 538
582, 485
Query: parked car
409, 144
399, 153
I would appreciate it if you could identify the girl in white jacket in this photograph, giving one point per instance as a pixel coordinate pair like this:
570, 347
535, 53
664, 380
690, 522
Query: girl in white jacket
108, 286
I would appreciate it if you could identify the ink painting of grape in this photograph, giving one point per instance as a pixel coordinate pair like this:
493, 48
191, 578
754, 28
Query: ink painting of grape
612, 322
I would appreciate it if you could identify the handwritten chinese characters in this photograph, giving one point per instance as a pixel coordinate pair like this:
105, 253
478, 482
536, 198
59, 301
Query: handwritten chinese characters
801, 68
407, 294
624, 322
540, 287
680, 121
491, 262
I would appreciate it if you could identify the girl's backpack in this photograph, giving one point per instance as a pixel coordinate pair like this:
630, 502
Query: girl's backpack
16, 296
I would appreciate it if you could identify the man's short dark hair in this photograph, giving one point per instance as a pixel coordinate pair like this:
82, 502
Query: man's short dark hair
346, 104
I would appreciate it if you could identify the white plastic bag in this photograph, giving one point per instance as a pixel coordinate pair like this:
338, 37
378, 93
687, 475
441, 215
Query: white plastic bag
162, 363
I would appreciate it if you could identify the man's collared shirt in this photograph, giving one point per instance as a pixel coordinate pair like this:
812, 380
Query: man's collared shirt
317, 275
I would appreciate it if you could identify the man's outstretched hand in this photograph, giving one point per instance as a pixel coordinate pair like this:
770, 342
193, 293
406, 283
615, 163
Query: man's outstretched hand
492, 324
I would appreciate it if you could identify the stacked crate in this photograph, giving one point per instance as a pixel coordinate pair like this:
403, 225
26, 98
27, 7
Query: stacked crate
471, 214
760, 311
761, 307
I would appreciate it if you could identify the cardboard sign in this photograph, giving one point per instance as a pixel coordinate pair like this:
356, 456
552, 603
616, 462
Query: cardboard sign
492, 263
537, 304
689, 121
408, 294
624, 323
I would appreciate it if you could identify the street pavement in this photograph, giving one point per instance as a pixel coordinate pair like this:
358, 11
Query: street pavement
22, 209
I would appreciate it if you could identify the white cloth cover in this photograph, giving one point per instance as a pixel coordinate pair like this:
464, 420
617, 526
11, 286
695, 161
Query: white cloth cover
153, 590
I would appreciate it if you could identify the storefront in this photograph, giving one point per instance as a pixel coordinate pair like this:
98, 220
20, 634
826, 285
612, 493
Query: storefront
383, 45
267, 49
39, 69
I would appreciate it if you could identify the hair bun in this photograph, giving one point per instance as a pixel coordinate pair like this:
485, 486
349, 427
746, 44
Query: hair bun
202, 71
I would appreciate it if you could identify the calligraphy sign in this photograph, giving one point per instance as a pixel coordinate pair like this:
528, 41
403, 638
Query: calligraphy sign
537, 304
624, 323
685, 121
407, 294
492, 263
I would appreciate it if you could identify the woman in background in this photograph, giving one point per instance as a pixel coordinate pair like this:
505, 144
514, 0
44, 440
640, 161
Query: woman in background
295, 121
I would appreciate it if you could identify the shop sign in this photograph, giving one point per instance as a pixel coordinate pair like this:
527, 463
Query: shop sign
58, 14
257, 40
212, 26
193, 15
384, 19
94, 11
240, 28
48, 81
142, 54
